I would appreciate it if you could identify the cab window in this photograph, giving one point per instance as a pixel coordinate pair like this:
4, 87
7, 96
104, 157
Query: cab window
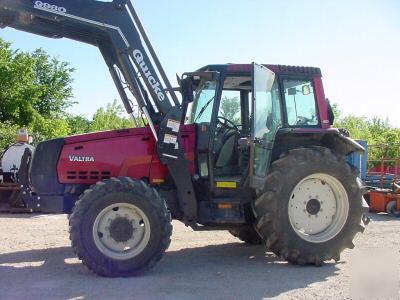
201, 109
230, 107
300, 103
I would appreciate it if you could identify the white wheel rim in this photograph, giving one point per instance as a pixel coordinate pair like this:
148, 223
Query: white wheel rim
318, 208
121, 231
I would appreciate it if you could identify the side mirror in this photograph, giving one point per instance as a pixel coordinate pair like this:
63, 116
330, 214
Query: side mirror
187, 89
306, 90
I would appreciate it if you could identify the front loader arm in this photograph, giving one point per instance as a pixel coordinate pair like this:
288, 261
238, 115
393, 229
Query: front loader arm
116, 30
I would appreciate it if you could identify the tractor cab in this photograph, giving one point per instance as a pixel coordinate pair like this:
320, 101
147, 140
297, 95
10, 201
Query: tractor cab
240, 111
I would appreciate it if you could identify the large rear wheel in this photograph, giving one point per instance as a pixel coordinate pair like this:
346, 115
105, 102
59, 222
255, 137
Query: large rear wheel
310, 208
120, 227
247, 234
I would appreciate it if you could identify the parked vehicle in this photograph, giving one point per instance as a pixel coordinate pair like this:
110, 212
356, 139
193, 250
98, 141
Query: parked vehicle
275, 173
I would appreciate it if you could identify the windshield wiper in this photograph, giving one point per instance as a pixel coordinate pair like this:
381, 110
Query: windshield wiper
204, 109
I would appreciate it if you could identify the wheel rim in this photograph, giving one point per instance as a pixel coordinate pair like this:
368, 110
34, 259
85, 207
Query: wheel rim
318, 208
121, 231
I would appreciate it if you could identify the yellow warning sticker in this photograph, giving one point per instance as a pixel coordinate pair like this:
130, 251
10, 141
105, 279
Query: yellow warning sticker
226, 184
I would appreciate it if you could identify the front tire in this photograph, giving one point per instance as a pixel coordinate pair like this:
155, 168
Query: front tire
310, 208
120, 227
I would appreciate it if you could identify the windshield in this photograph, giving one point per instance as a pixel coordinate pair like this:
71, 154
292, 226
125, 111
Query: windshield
203, 103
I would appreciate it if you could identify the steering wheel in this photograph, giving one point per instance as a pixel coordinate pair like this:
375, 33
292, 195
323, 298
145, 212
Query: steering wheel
227, 123
303, 120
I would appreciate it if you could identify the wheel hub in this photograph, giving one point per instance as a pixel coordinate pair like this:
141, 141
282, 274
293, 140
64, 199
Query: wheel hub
313, 207
121, 230
318, 208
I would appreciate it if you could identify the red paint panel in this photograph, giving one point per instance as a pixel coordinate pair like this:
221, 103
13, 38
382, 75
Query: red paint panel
321, 102
106, 135
129, 152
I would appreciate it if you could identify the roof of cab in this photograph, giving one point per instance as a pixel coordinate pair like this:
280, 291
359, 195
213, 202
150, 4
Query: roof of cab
278, 69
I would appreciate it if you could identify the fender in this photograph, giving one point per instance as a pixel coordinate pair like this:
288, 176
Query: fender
291, 138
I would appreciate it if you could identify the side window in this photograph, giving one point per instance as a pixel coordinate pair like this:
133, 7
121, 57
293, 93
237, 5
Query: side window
300, 103
230, 107
201, 109
267, 112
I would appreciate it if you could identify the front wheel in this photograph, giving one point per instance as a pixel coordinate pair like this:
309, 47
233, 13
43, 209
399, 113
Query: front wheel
120, 227
310, 208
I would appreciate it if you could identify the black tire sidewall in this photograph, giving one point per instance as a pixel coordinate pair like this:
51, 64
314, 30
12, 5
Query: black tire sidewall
123, 266
247, 234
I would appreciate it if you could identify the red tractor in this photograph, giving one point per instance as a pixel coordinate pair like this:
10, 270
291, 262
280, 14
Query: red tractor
272, 171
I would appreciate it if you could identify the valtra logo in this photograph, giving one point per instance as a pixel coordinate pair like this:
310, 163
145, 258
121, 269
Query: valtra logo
73, 158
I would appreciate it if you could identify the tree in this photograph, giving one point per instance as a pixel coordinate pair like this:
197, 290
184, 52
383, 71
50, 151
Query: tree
48, 128
230, 109
35, 90
110, 118
376, 131
17, 91
32, 83
55, 79
8, 133
78, 124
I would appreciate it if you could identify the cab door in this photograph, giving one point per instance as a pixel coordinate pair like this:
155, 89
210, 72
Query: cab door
267, 119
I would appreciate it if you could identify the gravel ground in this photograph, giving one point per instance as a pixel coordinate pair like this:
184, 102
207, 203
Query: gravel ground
36, 262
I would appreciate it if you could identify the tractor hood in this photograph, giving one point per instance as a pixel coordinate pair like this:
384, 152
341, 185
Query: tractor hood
107, 135
87, 158
102, 135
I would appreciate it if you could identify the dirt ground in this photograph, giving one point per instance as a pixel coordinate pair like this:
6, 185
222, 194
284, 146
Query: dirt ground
36, 262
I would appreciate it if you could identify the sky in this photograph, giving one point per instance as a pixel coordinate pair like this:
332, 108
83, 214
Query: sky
356, 43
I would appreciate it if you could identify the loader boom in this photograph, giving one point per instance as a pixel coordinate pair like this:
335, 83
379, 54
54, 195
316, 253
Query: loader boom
115, 28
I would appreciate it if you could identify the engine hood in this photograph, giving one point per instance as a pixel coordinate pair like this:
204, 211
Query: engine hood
106, 135
117, 134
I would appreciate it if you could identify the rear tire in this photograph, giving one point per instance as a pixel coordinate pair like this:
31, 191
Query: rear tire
247, 234
120, 227
310, 207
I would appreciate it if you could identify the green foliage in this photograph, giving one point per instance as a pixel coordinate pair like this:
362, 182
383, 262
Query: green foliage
376, 131
78, 124
35, 90
230, 109
54, 78
7, 134
46, 128
110, 118
17, 91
